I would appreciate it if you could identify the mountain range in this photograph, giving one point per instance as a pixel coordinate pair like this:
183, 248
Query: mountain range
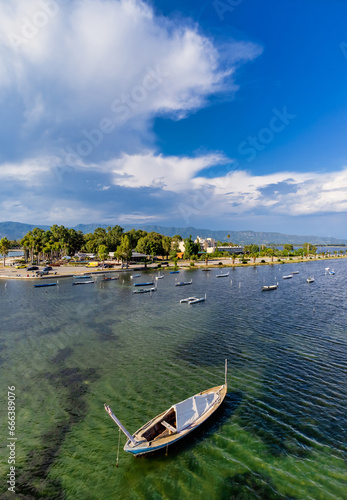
16, 231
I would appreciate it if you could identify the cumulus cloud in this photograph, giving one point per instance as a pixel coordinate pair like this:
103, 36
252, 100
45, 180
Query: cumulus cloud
68, 65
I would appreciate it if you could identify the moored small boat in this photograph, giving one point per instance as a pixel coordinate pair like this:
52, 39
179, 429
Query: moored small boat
267, 288
310, 280
82, 283
146, 283
135, 276
183, 283
45, 284
188, 299
175, 423
197, 300
174, 272
287, 277
110, 278
82, 276
145, 290
222, 275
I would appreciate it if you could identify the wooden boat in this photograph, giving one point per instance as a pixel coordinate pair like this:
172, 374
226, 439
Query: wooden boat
266, 288
145, 290
183, 283
310, 280
196, 301
188, 299
287, 277
45, 284
146, 283
221, 275
82, 283
175, 423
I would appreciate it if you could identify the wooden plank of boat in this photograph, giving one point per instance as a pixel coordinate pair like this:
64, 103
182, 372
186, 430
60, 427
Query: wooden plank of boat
266, 288
175, 423
188, 299
45, 284
222, 275
145, 290
146, 283
183, 283
287, 277
82, 283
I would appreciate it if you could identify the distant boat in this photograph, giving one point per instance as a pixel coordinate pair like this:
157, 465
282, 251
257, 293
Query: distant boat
196, 301
145, 290
331, 272
135, 276
287, 277
110, 279
145, 283
310, 280
82, 276
175, 423
327, 268
174, 272
267, 288
82, 283
188, 299
205, 269
295, 272
183, 283
222, 275
45, 284
160, 276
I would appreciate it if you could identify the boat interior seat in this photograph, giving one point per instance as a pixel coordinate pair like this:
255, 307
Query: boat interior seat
168, 426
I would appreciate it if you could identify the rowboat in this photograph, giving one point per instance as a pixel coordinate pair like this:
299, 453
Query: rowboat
295, 272
82, 283
175, 423
183, 283
45, 284
146, 283
135, 276
266, 288
287, 277
221, 275
197, 300
82, 277
188, 299
205, 269
145, 290
174, 272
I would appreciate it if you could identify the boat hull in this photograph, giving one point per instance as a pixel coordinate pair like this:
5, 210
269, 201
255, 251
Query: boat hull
143, 446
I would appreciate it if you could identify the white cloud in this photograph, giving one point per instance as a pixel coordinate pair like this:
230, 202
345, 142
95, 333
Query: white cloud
76, 62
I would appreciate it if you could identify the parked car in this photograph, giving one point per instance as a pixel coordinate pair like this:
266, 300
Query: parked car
20, 266
107, 266
48, 268
32, 268
42, 273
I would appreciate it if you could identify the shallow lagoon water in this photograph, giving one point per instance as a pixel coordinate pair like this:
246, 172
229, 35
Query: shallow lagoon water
281, 432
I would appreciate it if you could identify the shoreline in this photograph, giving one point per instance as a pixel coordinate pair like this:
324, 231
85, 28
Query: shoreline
73, 271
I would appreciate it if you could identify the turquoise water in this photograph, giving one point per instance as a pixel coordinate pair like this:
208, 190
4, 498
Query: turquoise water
281, 432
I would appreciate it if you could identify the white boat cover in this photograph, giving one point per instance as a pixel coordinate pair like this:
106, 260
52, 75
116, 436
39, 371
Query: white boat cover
188, 411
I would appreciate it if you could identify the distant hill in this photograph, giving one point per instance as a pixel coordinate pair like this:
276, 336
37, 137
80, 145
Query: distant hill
16, 231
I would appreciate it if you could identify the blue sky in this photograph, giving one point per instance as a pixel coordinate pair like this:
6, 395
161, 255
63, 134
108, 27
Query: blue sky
225, 114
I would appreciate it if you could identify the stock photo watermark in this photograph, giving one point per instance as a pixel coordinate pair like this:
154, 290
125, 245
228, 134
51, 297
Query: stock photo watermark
11, 416
222, 7
343, 47
30, 26
200, 199
122, 108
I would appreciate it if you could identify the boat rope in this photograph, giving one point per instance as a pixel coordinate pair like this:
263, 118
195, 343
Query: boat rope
118, 447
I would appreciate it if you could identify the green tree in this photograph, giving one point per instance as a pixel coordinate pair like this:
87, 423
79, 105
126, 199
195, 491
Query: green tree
125, 249
103, 253
190, 247
166, 244
5, 245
